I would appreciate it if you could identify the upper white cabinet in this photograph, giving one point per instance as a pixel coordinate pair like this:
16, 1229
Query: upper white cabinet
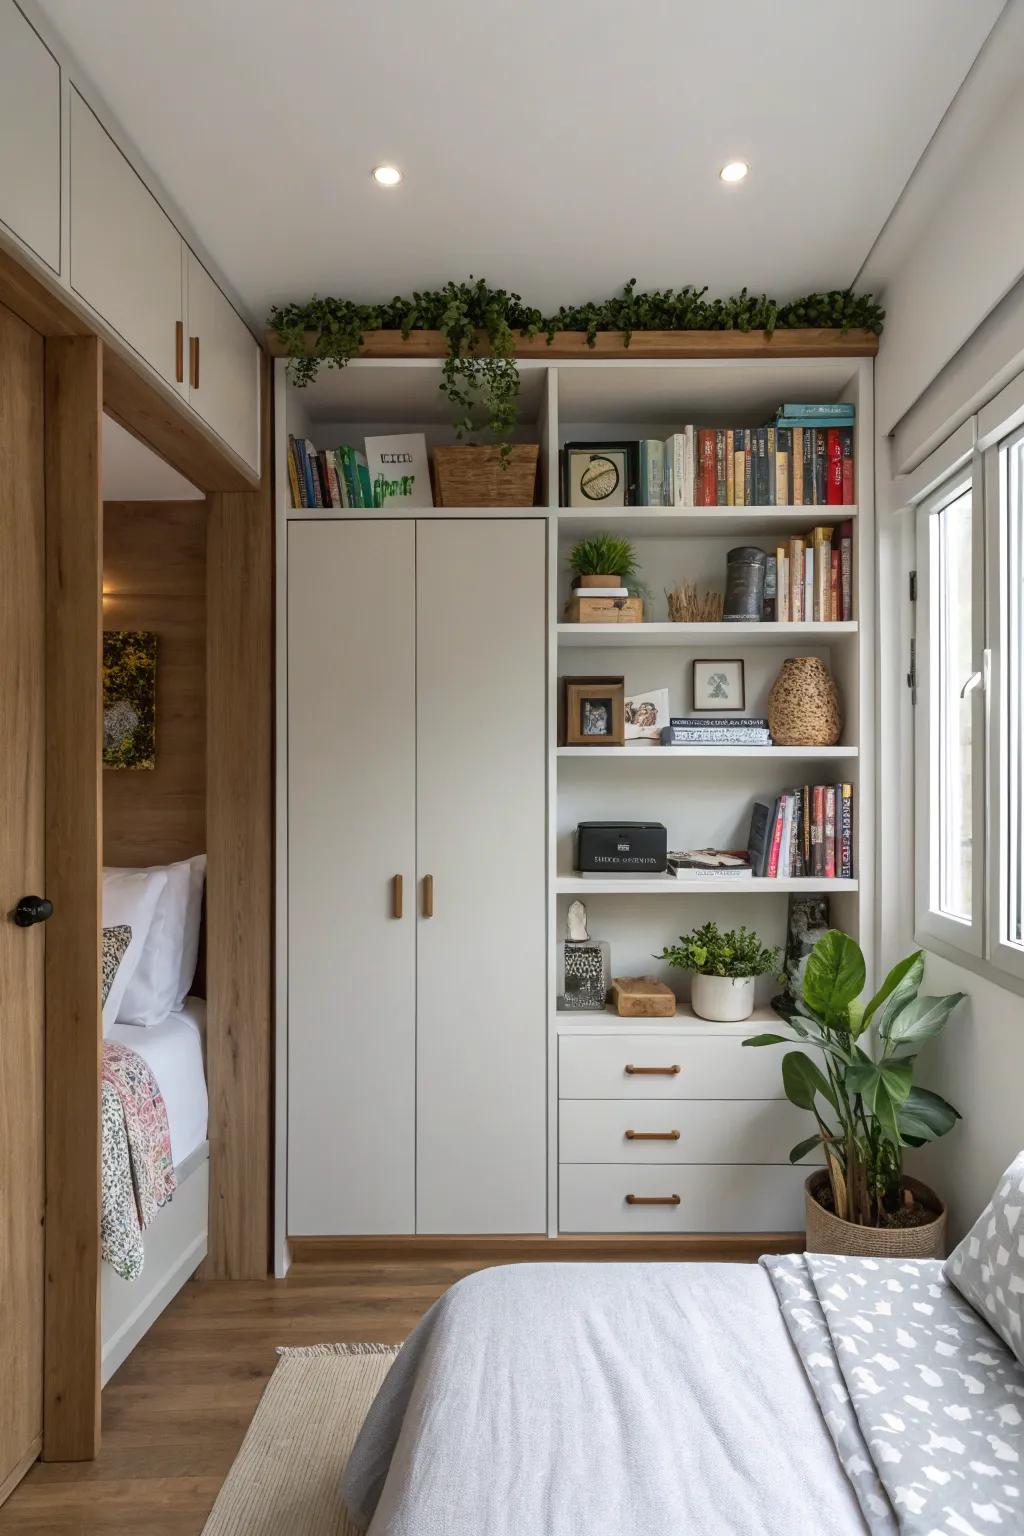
223, 365
126, 255
29, 136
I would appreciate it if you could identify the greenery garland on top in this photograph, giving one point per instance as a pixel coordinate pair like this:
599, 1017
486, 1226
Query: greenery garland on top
482, 382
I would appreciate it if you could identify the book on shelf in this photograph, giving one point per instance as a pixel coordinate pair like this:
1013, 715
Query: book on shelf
810, 578
748, 722
595, 591
651, 479
806, 831
714, 738
827, 410
710, 864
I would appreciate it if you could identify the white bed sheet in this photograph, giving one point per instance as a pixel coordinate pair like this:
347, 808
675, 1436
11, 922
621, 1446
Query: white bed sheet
173, 1051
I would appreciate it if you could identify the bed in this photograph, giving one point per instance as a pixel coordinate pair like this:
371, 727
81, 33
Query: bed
808, 1395
175, 1241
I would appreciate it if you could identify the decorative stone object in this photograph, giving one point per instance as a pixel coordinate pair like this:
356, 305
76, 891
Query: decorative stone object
584, 966
803, 706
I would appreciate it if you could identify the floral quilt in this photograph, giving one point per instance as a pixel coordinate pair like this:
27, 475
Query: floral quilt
138, 1172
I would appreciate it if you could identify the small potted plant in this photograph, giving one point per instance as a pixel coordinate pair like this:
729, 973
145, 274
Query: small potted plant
865, 1103
725, 967
606, 560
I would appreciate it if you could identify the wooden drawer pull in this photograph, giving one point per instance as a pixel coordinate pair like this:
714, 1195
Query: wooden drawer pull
396, 896
193, 361
428, 895
651, 1071
179, 352
652, 1135
653, 1200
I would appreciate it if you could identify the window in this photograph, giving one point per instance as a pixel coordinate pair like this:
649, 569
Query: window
1005, 480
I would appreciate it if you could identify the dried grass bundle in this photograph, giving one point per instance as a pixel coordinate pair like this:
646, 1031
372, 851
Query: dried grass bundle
686, 605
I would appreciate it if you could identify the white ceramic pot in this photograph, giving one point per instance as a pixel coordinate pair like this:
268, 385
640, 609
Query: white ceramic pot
722, 999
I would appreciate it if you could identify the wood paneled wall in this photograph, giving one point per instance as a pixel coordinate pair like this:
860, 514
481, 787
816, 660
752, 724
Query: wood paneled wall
154, 578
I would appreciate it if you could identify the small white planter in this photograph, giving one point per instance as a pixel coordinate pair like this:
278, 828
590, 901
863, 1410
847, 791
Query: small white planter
722, 999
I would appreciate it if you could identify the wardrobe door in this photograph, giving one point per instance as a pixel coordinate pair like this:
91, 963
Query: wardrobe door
351, 833
481, 940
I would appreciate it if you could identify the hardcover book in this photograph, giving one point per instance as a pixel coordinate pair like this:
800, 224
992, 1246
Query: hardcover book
398, 471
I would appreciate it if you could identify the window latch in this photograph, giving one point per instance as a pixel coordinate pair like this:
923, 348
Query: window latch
975, 680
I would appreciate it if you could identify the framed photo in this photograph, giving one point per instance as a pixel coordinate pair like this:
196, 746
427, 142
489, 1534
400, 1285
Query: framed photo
594, 711
129, 698
645, 714
718, 685
599, 474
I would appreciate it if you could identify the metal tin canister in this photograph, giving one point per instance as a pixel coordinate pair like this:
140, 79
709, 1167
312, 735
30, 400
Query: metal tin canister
744, 584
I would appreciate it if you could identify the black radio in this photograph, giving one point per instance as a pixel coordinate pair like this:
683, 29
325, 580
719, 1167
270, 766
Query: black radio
621, 847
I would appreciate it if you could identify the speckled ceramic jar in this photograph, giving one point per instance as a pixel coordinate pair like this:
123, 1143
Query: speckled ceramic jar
803, 706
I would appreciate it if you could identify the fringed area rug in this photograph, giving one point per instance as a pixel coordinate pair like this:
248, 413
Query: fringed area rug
285, 1479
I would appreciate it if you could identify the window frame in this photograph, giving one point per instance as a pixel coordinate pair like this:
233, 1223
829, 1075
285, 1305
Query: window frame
1005, 559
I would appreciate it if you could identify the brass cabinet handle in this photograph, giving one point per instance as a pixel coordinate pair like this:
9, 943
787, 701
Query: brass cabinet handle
179, 351
653, 1200
193, 360
652, 1135
428, 895
651, 1071
396, 896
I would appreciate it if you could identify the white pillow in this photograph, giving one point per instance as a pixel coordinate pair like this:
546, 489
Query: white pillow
152, 990
129, 899
190, 946
988, 1266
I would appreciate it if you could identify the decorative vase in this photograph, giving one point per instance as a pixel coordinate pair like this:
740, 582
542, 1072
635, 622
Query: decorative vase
598, 581
827, 1233
803, 706
722, 999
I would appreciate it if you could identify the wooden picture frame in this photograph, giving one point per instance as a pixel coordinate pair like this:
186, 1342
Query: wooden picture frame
707, 693
594, 711
616, 489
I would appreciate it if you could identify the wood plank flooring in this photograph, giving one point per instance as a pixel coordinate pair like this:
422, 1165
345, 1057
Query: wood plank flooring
175, 1413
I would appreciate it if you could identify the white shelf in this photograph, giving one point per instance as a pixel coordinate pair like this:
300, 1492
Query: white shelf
664, 754
733, 635
576, 1021
668, 885
687, 522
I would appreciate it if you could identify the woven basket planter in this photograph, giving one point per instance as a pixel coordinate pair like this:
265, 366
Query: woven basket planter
826, 1233
474, 477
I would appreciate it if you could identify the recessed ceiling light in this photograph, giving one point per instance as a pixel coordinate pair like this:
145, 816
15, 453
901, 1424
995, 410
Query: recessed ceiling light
386, 175
736, 170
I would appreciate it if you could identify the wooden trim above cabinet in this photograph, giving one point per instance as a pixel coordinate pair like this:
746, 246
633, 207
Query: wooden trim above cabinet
658, 345
709, 1247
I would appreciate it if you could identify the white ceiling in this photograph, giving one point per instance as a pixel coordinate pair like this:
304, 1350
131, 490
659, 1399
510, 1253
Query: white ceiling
556, 147
132, 472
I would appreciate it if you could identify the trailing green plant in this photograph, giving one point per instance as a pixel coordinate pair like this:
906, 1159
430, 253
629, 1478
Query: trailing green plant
709, 951
866, 1105
608, 554
480, 376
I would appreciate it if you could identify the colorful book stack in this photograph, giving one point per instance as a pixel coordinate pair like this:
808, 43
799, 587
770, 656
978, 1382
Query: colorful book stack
716, 731
327, 477
710, 864
811, 576
805, 832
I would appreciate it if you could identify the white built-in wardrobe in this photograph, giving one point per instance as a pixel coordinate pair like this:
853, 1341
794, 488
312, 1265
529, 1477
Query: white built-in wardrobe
416, 882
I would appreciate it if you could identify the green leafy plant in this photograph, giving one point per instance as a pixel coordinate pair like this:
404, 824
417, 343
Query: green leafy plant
865, 1103
480, 376
608, 554
708, 950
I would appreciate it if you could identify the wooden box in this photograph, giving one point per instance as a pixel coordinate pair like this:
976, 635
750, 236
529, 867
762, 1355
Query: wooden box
642, 997
604, 610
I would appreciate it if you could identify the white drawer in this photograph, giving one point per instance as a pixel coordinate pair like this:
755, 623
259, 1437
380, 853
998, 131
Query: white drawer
705, 1131
592, 1198
709, 1067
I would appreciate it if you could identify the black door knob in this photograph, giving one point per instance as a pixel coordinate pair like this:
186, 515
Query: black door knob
32, 909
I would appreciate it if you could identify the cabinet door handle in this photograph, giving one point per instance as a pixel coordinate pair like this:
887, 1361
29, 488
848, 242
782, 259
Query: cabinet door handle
652, 1135
179, 351
428, 895
653, 1200
396, 896
193, 360
652, 1071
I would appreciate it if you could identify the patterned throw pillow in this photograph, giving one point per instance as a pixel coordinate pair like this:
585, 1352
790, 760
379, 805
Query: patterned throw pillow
988, 1266
115, 947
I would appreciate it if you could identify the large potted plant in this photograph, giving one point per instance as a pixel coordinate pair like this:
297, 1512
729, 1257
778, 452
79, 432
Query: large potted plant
866, 1105
725, 967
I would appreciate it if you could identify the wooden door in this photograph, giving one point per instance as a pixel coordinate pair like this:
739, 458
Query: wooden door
22, 770
481, 772
126, 255
223, 366
29, 136
351, 831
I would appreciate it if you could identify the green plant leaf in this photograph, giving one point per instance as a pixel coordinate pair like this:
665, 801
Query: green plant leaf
920, 1019
803, 1147
802, 1078
925, 1116
898, 988
769, 1040
834, 976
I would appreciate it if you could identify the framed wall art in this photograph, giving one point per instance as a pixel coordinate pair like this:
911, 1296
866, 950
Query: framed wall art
718, 685
129, 698
594, 711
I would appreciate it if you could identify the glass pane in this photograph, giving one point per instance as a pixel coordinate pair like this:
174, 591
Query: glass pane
956, 664
1014, 723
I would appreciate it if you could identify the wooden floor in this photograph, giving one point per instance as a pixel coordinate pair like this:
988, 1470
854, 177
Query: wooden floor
175, 1413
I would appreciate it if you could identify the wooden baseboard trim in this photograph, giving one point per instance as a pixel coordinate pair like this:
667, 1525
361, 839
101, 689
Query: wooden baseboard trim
18, 1471
711, 1247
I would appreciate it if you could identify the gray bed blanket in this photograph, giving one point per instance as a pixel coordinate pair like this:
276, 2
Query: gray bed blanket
924, 1402
601, 1400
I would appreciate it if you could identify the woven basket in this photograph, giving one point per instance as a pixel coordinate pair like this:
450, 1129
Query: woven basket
826, 1233
474, 477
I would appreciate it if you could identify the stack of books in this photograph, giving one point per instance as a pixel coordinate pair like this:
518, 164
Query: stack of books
710, 864
327, 477
810, 578
804, 832
716, 731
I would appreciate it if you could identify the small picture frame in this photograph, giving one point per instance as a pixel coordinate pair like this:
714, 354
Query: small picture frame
594, 711
646, 715
718, 685
599, 474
